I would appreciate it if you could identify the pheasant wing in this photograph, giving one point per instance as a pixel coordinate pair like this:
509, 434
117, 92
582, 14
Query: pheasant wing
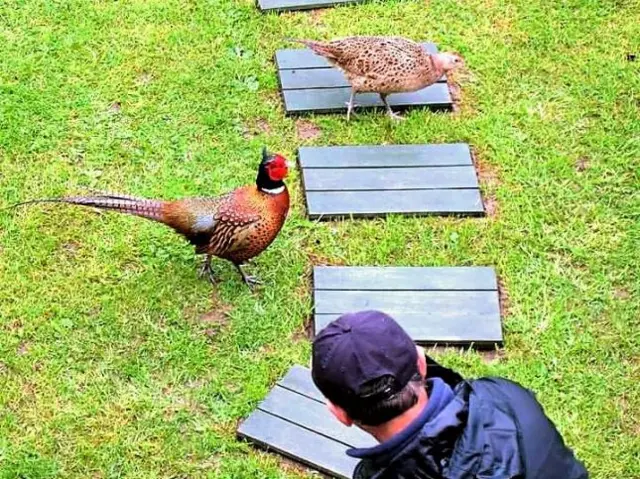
219, 225
231, 232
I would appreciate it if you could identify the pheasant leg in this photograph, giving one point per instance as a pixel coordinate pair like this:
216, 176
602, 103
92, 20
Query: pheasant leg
207, 270
350, 105
250, 281
394, 116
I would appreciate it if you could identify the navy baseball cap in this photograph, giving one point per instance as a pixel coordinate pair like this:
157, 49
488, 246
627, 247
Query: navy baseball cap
357, 349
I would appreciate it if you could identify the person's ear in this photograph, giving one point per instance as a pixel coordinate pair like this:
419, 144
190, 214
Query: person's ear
422, 362
340, 414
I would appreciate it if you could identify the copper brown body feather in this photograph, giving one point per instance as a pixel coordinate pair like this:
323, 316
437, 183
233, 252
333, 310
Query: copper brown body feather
237, 226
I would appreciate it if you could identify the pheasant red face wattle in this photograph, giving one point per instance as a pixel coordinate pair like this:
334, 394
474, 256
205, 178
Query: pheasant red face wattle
277, 168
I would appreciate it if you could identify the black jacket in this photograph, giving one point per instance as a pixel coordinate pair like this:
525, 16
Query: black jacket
492, 429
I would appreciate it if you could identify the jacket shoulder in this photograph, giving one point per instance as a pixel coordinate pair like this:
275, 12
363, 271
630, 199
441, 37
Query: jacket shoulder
542, 448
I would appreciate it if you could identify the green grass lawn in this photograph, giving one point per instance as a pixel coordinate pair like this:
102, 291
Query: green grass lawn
117, 361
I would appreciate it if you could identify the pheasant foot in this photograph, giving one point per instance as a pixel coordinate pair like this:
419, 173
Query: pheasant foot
395, 116
250, 281
207, 270
351, 104
350, 110
392, 115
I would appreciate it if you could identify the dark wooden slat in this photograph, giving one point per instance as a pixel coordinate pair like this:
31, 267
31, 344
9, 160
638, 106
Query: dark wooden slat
299, 58
297, 443
316, 78
330, 100
481, 330
298, 379
456, 278
313, 415
434, 302
327, 205
384, 156
418, 178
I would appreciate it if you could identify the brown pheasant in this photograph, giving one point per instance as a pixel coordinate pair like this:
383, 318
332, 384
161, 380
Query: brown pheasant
384, 65
236, 226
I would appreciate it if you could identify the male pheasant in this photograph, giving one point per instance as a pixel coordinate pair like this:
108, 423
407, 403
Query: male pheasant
236, 226
384, 65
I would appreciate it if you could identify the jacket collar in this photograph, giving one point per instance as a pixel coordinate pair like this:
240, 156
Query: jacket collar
440, 395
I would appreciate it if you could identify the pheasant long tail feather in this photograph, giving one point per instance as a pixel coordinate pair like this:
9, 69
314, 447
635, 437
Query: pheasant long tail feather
321, 48
150, 209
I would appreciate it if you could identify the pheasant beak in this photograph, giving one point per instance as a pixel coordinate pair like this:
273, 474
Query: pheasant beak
290, 164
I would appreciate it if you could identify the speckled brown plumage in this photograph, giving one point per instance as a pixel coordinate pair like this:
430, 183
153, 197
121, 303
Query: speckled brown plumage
236, 226
384, 65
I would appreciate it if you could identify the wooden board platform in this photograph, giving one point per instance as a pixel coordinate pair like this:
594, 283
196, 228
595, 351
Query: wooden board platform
294, 421
309, 84
293, 5
450, 305
369, 181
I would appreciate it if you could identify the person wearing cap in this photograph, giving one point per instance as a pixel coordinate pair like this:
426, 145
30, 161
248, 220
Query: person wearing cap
428, 420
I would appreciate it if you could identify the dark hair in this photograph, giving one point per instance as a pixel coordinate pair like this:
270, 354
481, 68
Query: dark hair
378, 412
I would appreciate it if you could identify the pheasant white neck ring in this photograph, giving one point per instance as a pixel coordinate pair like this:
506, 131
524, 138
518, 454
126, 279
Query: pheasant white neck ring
274, 191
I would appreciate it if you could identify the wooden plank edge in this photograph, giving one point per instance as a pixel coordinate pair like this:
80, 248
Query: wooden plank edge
301, 175
448, 107
304, 7
417, 214
280, 89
